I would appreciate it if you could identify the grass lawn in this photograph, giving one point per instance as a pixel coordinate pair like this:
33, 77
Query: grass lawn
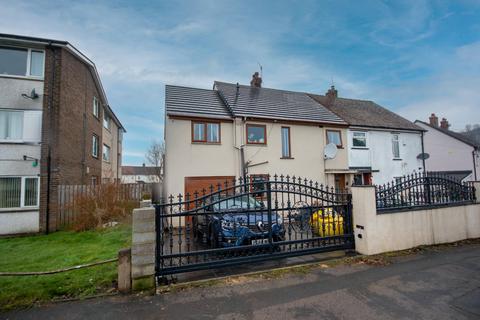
55, 251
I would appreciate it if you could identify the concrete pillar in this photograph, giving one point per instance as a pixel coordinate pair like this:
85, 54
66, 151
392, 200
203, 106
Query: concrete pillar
476, 184
124, 270
145, 203
364, 211
143, 249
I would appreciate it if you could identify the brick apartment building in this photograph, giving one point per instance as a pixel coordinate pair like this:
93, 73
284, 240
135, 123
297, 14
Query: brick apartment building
56, 128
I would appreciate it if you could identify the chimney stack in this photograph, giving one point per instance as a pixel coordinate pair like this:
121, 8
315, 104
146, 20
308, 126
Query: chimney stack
433, 120
444, 124
256, 80
331, 95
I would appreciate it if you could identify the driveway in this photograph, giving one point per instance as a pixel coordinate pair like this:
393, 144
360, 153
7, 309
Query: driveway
435, 284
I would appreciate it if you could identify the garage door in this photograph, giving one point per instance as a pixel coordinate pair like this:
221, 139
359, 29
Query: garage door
197, 184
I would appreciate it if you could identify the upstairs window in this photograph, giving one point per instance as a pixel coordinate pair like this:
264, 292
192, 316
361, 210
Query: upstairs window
106, 153
96, 107
335, 137
106, 120
286, 153
359, 139
256, 134
21, 62
11, 125
206, 132
95, 146
395, 146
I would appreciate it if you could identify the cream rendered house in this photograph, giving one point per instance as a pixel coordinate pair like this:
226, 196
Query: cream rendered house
220, 134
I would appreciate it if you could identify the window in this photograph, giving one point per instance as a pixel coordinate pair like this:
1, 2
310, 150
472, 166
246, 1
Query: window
256, 134
21, 62
95, 146
334, 136
359, 139
11, 125
106, 120
398, 180
106, 153
257, 185
93, 180
395, 146
286, 153
96, 107
18, 192
206, 132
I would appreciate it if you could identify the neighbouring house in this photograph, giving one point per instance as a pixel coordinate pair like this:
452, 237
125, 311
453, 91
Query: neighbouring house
382, 146
56, 127
141, 174
451, 153
235, 130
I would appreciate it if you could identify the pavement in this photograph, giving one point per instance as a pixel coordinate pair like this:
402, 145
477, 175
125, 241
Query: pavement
433, 284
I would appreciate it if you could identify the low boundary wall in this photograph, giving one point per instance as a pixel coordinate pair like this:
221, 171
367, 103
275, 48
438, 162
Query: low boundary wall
392, 231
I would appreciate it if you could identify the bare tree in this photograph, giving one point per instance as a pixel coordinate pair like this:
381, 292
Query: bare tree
155, 157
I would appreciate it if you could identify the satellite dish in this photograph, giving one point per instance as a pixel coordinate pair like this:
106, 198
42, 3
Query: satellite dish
423, 156
330, 151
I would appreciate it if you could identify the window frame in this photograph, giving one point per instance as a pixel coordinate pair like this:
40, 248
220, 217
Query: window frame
261, 194
289, 156
248, 125
365, 137
340, 146
107, 119
95, 154
397, 140
205, 132
22, 193
109, 152
28, 63
96, 108
2, 140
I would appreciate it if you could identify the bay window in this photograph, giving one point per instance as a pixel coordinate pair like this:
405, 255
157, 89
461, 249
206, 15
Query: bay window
19, 192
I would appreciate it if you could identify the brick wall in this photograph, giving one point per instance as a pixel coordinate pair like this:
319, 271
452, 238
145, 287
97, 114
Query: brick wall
67, 127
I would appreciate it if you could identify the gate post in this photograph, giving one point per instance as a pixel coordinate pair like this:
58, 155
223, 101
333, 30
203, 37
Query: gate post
364, 212
143, 249
269, 209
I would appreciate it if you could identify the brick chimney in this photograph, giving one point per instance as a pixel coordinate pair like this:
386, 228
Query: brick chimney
331, 95
256, 80
444, 124
433, 120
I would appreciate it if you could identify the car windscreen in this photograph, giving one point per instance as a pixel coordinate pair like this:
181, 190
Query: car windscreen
241, 202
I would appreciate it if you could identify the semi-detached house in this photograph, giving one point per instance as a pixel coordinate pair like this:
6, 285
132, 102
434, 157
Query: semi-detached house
220, 134
56, 127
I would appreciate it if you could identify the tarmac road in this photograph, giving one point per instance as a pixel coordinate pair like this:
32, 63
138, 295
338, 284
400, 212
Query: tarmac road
442, 284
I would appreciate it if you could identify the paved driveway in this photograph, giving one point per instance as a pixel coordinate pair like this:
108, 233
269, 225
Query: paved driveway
430, 285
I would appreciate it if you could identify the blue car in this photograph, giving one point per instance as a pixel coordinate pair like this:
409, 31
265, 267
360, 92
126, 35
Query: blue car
236, 221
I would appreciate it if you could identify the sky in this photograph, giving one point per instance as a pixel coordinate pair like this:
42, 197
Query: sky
413, 57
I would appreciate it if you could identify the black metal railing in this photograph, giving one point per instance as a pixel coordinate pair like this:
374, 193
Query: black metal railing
242, 221
425, 189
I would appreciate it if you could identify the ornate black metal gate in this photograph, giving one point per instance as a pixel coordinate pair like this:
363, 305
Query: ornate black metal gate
244, 221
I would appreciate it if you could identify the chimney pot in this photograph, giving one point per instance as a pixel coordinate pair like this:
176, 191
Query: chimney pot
444, 124
256, 80
433, 120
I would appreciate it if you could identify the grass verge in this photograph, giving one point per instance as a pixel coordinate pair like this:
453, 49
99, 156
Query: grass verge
56, 251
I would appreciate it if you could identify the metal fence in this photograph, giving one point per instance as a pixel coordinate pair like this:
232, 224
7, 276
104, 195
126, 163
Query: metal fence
70, 197
246, 221
425, 189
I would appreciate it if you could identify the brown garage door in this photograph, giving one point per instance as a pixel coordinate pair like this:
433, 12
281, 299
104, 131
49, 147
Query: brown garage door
197, 184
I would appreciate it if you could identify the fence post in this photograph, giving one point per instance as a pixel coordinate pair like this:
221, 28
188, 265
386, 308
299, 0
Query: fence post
269, 209
364, 212
476, 185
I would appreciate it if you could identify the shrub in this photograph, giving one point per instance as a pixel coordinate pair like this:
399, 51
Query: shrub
103, 204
